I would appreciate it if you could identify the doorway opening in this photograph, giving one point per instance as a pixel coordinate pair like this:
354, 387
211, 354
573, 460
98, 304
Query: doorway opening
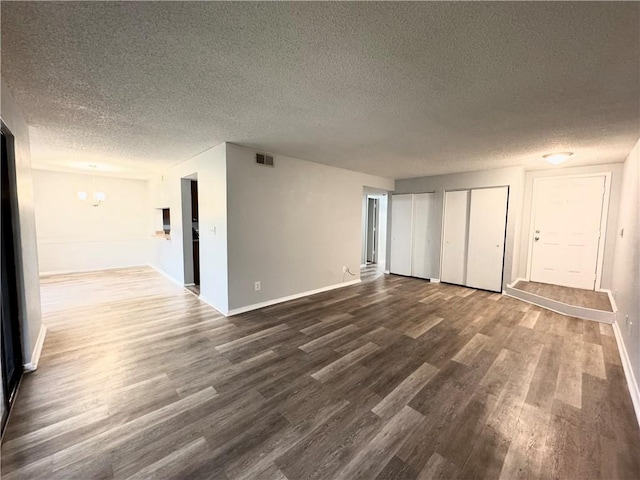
11, 357
374, 230
191, 233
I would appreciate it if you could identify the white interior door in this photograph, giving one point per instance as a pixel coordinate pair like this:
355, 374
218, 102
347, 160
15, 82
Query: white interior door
566, 234
454, 244
487, 224
423, 242
401, 219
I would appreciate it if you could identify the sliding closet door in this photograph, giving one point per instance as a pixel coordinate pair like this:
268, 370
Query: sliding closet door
454, 245
487, 223
422, 242
401, 216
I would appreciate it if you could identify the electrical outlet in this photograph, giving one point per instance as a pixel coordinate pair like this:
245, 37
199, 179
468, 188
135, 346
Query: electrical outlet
344, 269
258, 286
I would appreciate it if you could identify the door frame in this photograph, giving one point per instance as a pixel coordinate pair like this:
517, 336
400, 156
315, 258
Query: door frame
9, 395
376, 222
603, 220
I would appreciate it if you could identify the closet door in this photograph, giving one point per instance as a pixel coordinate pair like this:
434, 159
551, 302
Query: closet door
401, 213
422, 241
487, 223
454, 245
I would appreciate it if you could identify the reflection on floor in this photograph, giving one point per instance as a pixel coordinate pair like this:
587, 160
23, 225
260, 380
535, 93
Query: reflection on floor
371, 272
193, 289
392, 378
568, 295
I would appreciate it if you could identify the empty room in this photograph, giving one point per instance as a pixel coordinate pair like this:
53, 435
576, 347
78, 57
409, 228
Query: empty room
320, 240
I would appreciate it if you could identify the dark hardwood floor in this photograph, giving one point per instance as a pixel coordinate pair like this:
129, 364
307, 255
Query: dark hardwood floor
394, 378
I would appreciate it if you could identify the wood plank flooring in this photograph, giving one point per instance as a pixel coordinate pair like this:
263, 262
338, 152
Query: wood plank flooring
568, 295
394, 378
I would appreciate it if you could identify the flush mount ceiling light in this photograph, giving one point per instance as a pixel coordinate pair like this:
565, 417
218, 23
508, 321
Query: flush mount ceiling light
557, 158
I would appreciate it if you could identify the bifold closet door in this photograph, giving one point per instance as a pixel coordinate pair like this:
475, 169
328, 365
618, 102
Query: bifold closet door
454, 245
422, 242
401, 218
487, 223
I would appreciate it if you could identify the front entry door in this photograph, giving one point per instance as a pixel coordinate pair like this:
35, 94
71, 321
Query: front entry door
566, 233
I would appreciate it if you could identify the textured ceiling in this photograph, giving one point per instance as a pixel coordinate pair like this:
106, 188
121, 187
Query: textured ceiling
393, 89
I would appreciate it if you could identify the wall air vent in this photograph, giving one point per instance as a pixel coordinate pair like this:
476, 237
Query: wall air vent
264, 159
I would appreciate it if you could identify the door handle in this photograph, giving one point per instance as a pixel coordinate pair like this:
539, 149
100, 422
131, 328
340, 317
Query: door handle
536, 238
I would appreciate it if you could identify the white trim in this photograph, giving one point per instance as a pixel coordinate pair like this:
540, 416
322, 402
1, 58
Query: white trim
69, 272
604, 217
194, 293
434, 280
203, 299
444, 210
268, 303
632, 384
37, 350
515, 282
612, 300
561, 307
387, 272
363, 266
166, 275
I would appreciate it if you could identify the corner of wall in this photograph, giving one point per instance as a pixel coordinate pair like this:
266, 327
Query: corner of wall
626, 273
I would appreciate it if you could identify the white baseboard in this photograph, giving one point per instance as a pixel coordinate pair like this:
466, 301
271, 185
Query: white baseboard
561, 307
515, 282
89, 270
37, 350
208, 302
268, 303
166, 275
363, 265
628, 371
612, 300
434, 280
387, 272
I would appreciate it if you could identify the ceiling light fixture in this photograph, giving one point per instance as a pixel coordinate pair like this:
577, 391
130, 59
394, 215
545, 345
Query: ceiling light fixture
97, 197
557, 158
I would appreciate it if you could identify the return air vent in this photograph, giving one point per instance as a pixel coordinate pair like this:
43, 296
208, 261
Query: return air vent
264, 159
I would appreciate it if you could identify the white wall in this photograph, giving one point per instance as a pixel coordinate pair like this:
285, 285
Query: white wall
74, 236
28, 255
626, 262
512, 177
167, 255
291, 227
616, 181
